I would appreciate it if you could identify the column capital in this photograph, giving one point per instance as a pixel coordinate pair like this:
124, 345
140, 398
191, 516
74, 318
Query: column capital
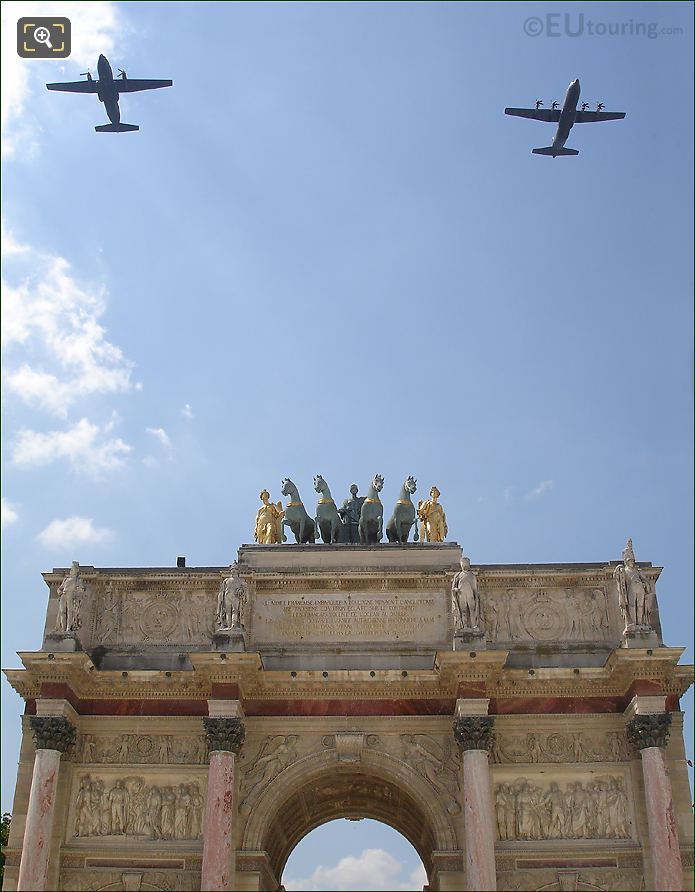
474, 732
649, 730
224, 733
52, 732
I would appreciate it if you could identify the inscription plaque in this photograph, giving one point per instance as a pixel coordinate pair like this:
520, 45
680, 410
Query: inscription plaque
331, 617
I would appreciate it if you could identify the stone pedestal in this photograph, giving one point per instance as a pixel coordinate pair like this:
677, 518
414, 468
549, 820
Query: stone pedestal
230, 640
52, 736
63, 642
474, 735
225, 737
640, 636
649, 734
467, 639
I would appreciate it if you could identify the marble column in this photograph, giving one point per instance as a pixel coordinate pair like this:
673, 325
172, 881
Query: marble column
225, 737
649, 734
52, 736
474, 735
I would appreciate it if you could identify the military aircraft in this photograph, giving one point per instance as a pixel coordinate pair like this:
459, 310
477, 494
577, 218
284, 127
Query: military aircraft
565, 118
108, 89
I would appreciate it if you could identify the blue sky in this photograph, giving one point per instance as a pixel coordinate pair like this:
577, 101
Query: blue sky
329, 251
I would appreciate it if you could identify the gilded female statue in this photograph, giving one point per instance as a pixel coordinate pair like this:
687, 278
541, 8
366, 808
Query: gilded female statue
433, 526
268, 521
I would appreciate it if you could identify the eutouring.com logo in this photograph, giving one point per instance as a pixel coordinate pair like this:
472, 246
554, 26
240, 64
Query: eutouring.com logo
557, 24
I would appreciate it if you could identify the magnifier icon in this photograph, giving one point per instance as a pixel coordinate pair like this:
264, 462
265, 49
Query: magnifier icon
43, 35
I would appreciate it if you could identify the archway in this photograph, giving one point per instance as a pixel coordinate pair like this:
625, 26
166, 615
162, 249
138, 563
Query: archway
319, 789
356, 855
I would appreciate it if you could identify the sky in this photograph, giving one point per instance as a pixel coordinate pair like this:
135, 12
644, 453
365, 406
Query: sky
329, 251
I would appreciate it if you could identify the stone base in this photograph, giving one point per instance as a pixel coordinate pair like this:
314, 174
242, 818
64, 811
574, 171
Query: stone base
468, 639
64, 642
233, 640
640, 636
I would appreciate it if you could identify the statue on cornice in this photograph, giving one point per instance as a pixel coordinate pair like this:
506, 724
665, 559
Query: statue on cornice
465, 599
231, 600
633, 591
68, 618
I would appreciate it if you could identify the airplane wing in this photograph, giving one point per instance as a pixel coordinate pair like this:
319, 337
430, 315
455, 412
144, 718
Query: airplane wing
550, 115
133, 85
586, 117
75, 87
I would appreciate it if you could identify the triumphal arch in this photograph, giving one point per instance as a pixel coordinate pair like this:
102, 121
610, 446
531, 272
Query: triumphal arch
185, 727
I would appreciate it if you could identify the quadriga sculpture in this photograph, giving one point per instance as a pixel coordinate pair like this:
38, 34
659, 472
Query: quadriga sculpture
296, 517
328, 521
403, 517
372, 514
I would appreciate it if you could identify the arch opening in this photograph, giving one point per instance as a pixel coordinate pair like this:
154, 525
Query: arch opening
354, 854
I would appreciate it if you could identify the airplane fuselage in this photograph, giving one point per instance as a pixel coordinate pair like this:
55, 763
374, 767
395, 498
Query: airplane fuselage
567, 115
107, 90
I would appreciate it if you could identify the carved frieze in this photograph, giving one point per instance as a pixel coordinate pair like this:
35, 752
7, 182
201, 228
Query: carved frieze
555, 746
579, 878
546, 615
539, 809
137, 880
136, 807
141, 749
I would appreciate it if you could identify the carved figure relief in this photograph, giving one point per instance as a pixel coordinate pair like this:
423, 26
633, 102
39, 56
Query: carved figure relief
597, 810
129, 806
546, 615
167, 616
577, 746
274, 755
437, 762
143, 749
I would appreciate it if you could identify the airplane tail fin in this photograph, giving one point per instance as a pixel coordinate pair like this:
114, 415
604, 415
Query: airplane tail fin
549, 150
116, 128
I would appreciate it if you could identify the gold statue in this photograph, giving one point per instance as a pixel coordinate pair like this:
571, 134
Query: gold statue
433, 526
268, 521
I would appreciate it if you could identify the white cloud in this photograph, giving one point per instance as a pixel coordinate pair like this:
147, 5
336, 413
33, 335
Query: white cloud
161, 435
9, 514
540, 490
95, 28
374, 869
84, 445
55, 349
187, 411
72, 531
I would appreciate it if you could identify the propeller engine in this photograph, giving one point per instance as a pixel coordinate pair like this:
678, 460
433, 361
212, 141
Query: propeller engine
87, 74
600, 106
122, 74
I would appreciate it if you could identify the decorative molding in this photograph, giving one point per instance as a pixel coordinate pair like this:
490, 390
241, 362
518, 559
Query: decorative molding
52, 732
224, 734
649, 730
474, 732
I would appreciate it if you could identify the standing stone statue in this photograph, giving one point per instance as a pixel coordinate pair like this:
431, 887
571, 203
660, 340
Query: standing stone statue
433, 526
350, 514
231, 599
268, 521
633, 592
68, 618
465, 600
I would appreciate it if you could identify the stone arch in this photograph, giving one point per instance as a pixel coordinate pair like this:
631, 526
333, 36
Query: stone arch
319, 788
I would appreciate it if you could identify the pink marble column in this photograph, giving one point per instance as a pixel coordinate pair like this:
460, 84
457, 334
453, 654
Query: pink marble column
474, 736
225, 737
649, 734
52, 736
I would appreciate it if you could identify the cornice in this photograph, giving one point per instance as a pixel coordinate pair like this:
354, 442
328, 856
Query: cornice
484, 670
